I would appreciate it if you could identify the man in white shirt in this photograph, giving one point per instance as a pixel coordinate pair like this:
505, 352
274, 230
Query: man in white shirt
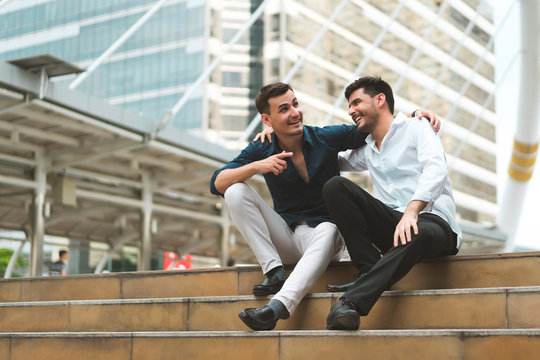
411, 215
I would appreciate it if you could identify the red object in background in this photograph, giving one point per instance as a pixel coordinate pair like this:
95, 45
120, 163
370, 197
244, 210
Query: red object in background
171, 262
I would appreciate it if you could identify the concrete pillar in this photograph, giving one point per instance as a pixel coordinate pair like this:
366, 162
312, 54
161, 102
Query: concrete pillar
225, 236
79, 257
37, 220
146, 225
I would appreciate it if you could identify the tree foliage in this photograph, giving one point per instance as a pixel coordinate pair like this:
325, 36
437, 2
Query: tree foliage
5, 256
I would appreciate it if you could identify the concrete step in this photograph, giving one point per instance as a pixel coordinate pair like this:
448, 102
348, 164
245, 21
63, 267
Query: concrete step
496, 308
499, 270
275, 345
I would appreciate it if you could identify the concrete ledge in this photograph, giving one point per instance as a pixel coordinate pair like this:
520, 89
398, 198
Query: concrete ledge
434, 309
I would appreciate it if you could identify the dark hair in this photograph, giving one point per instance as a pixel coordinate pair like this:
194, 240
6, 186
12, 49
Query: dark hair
266, 93
372, 86
62, 252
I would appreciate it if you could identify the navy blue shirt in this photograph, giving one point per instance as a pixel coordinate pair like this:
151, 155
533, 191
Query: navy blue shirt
294, 199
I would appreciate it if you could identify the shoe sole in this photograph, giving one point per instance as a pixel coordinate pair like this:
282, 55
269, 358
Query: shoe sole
252, 324
350, 321
336, 290
267, 291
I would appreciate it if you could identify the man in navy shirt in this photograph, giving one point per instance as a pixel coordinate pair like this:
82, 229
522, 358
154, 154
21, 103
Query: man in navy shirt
295, 165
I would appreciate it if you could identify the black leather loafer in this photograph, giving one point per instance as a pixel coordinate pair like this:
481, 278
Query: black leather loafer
346, 286
343, 316
258, 319
271, 285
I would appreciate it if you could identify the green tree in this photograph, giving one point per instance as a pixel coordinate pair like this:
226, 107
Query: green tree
5, 255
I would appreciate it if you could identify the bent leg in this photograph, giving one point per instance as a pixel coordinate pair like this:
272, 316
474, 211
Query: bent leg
263, 229
435, 238
319, 245
362, 220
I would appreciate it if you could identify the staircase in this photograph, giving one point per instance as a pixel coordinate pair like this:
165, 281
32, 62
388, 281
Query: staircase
463, 307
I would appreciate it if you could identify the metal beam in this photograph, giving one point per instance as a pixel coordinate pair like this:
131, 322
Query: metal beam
96, 176
15, 106
38, 133
82, 213
104, 150
8, 180
253, 123
170, 114
365, 60
419, 46
158, 208
17, 159
4, 2
121, 40
456, 103
16, 144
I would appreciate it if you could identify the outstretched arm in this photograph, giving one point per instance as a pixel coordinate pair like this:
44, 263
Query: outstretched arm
275, 164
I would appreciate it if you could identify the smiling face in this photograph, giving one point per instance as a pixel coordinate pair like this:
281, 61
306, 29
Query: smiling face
285, 115
364, 109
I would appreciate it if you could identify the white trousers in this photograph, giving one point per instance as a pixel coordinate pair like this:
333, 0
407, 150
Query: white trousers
274, 244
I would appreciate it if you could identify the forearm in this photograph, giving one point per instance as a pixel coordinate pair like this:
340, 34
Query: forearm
415, 206
408, 221
232, 176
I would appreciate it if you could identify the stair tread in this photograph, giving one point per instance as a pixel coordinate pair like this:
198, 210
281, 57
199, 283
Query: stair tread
237, 298
282, 333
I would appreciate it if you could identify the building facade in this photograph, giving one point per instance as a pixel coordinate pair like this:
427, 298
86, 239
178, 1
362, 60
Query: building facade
436, 54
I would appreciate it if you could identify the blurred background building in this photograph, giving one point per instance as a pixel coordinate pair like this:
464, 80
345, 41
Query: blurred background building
436, 54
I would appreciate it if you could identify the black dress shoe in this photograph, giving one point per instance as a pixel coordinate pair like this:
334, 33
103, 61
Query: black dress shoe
346, 286
343, 316
272, 284
258, 319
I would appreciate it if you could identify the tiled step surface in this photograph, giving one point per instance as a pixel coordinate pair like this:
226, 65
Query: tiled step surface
499, 270
275, 345
420, 309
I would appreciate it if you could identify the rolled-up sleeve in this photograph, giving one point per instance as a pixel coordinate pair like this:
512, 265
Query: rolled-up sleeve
248, 155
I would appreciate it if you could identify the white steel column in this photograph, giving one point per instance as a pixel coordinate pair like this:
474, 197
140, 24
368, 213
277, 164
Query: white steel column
526, 139
35, 268
146, 224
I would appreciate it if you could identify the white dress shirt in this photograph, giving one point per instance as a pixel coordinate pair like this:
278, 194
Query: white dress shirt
409, 166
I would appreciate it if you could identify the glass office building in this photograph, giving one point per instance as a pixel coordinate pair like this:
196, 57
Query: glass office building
150, 72
435, 54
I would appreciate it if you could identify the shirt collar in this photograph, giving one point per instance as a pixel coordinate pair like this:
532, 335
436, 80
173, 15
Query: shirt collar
399, 119
308, 140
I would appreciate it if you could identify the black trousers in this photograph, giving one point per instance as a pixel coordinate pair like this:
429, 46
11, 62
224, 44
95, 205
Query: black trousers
367, 226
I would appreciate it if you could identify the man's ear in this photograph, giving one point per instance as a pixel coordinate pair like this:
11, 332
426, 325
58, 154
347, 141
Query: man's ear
266, 120
381, 99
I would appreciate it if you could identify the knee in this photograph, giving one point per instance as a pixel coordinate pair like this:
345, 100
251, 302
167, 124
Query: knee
329, 234
236, 194
333, 187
